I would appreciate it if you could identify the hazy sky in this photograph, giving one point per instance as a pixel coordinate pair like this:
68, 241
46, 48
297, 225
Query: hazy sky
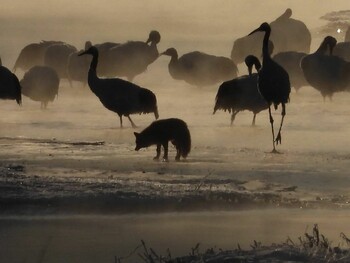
180, 22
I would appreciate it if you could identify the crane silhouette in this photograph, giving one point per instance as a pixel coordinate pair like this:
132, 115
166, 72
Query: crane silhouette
200, 69
56, 56
33, 55
287, 34
78, 68
133, 57
120, 96
273, 83
326, 73
40, 83
290, 61
241, 93
10, 89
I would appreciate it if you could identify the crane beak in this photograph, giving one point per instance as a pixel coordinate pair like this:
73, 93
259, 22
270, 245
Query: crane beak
83, 53
166, 53
256, 30
148, 41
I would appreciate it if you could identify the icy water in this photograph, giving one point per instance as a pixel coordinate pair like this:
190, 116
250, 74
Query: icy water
74, 190
97, 238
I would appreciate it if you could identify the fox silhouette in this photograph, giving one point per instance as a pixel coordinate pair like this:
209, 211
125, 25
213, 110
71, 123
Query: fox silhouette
160, 132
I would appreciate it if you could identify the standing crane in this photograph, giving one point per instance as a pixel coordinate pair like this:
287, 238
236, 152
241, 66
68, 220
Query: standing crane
241, 93
273, 83
118, 95
326, 73
10, 89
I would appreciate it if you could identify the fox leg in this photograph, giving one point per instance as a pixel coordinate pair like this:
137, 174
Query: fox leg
165, 156
178, 150
158, 152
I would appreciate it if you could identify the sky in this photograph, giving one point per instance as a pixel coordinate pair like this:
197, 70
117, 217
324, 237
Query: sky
203, 24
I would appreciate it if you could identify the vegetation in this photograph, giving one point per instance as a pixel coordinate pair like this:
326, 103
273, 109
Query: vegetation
310, 247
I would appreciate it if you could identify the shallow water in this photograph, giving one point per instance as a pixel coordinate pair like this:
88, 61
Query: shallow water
96, 238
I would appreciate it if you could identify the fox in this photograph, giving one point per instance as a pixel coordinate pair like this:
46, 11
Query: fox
160, 132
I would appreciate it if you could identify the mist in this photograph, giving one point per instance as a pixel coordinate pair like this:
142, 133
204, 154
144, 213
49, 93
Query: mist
205, 26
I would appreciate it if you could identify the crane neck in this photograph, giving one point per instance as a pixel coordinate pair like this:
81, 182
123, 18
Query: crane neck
250, 70
154, 51
153, 44
175, 70
174, 59
265, 49
323, 48
94, 61
92, 75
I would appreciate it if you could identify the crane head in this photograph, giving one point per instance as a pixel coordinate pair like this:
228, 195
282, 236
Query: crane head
154, 37
91, 51
263, 27
251, 61
331, 42
170, 52
88, 44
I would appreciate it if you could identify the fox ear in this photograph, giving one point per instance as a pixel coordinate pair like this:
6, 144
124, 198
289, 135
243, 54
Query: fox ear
136, 134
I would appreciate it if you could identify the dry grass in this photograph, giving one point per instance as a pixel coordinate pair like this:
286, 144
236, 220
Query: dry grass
310, 247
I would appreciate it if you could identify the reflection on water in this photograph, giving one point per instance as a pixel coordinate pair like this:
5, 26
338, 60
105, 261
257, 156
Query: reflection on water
97, 238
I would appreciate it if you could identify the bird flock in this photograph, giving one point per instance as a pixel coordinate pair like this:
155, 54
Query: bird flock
282, 46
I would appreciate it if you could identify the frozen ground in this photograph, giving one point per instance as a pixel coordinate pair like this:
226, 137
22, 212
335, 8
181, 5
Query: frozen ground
63, 170
75, 152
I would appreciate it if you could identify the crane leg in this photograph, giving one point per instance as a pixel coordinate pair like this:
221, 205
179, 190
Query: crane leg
156, 114
43, 105
279, 137
233, 116
121, 121
70, 83
273, 131
253, 122
132, 123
